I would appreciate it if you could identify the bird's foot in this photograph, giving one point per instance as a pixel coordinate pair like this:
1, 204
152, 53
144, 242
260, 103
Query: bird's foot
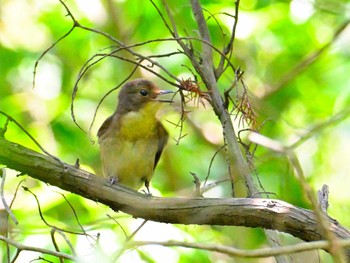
147, 193
112, 180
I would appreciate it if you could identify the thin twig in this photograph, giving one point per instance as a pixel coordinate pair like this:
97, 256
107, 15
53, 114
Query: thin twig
47, 50
32, 138
128, 239
106, 95
209, 186
52, 234
22, 247
211, 163
136, 230
173, 31
211, 15
228, 49
121, 227
43, 218
2, 186
54, 230
76, 217
235, 252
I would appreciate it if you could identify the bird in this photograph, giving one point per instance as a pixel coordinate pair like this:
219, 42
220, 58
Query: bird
132, 139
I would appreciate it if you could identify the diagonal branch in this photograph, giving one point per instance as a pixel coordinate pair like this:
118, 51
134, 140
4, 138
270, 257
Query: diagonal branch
249, 212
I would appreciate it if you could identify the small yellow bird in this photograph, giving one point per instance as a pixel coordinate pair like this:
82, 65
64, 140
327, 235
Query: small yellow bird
132, 139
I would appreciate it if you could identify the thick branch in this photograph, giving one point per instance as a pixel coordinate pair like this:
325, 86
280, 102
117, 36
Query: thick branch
249, 212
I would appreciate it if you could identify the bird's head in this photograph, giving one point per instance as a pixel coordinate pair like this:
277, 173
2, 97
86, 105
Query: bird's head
135, 94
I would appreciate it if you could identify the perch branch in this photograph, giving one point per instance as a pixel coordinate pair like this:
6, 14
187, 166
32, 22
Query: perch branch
249, 212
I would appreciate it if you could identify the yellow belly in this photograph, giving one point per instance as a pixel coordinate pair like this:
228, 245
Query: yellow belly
128, 153
130, 162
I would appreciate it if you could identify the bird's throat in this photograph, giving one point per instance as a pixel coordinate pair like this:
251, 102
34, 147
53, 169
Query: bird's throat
141, 123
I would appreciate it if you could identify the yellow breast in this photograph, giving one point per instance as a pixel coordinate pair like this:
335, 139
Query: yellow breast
139, 124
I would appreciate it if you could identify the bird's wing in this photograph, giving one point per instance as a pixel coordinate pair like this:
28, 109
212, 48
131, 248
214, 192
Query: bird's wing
162, 140
104, 127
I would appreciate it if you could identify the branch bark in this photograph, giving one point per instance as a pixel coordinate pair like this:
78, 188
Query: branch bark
248, 212
238, 167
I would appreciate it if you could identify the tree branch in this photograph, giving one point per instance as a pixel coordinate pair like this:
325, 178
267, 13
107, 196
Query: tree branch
249, 212
247, 253
238, 167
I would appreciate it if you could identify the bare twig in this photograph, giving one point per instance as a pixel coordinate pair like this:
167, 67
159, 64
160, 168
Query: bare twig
235, 252
128, 239
7, 232
22, 247
55, 230
211, 163
211, 15
7, 208
76, 218
173, 31
237, 166
121, 227
31, 137
43, 218
131, 236
209, 186
48, 49
238, 77
228, 49
52, 234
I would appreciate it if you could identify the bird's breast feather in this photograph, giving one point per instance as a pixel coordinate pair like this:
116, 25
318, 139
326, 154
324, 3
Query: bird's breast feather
141, 123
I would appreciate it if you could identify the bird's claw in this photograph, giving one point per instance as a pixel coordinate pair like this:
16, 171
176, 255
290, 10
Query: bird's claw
147, 193
112, 180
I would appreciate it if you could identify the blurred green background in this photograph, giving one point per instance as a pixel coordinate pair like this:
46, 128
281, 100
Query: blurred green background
275, 40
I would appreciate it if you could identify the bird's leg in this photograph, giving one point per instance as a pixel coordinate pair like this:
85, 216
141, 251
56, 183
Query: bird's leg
147, 187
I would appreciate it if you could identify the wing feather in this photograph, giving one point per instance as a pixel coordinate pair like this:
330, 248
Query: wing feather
104, 127
162, 140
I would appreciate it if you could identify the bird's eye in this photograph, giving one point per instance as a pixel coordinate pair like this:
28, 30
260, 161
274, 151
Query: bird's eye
144, 92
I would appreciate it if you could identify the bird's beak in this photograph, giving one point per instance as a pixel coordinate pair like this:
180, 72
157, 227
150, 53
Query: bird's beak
163, 92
